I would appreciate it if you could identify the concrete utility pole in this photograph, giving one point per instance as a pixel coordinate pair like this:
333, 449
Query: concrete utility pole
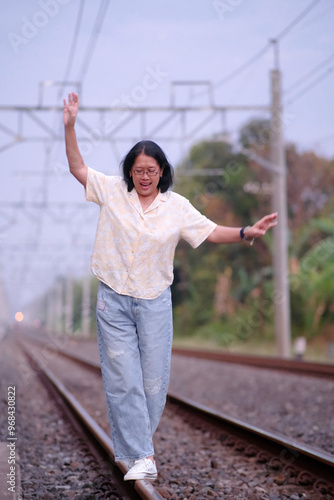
49, 311
174, 123
85, 318
59, 309
69, 305
4, 309
279, 198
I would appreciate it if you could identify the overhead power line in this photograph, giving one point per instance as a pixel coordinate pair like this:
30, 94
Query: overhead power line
244, 66
265, 49
310, 73
71, 55
69, 64
41, 213
311, 86
93, 38
293, 23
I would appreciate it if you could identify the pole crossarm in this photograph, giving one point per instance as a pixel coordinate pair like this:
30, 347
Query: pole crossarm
7, 130
42, 124
139, 109
129, 123
121, 123
57, 212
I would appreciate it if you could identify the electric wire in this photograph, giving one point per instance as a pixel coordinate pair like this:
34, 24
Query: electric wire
265, 49
93, 39
28, 267
316, 82
317, 18
309, 74
248, 63
71, 55
293, 23
244, 66
70, 60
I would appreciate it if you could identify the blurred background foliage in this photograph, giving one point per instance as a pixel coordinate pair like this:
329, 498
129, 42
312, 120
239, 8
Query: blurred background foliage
223, 294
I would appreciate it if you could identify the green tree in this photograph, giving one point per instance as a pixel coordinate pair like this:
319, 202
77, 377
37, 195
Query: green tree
201, 273
312, 283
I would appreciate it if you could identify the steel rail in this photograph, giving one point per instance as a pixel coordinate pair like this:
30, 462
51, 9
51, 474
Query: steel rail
298, 366
310, 458
144, 489
289, 365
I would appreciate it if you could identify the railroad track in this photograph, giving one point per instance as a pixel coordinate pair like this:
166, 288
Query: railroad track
288, 365
298, 366
87, 426
306, 463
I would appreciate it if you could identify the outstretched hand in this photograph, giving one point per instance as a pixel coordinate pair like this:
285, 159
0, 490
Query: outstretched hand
71, 109
261, 226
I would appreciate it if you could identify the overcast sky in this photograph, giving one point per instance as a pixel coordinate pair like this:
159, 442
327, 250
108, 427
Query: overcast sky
141, 47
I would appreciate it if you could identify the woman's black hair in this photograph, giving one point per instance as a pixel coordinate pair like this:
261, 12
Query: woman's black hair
152, 149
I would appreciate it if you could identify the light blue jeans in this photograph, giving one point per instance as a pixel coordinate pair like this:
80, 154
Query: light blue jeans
135, 342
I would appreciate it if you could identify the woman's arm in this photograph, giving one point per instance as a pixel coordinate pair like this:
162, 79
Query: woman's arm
223, 234
75, 160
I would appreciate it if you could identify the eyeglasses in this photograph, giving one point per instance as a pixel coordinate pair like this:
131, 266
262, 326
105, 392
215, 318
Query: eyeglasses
150, 173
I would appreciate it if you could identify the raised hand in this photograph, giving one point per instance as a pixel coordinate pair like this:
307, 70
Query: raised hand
261, 226
71, 109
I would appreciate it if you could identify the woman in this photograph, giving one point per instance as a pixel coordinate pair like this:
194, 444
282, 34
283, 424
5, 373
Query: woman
140, 224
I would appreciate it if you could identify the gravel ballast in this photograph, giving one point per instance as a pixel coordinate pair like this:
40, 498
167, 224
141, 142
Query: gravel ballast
193, 464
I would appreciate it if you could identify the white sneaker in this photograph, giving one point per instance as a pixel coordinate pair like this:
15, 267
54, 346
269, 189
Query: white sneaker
142, 469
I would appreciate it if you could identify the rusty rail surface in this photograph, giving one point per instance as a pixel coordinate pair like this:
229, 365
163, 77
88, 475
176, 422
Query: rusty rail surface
304, 456
289, 365
143, 488
289, 450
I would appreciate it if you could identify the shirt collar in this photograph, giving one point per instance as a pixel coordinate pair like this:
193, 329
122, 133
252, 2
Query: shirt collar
134, 199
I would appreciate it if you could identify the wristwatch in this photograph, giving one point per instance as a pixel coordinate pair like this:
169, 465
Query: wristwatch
243, 235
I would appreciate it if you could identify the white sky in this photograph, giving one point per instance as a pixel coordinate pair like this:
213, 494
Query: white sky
186, 40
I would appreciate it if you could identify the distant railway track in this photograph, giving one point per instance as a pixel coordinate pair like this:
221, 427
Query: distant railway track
288, 365
298, 366
302, 458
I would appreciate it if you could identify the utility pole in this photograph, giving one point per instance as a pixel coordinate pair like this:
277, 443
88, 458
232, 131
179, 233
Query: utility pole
4, 309
279, 199
165, 124
85, 318
59, 307
49, 311
69, 304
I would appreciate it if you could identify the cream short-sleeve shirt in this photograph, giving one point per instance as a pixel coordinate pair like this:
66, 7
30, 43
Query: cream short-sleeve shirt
134, 250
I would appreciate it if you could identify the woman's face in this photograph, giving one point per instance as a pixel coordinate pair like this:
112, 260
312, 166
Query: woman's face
146, 175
